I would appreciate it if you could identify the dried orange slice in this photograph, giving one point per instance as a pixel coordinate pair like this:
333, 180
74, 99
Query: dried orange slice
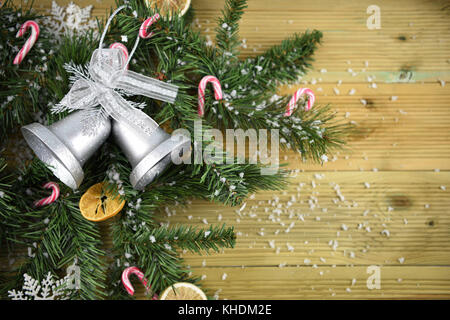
169, 6
183, 291
98, 203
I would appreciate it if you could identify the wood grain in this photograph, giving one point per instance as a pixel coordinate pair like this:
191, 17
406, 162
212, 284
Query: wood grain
392, 174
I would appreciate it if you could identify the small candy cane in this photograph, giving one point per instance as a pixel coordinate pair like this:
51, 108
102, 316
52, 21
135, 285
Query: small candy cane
30, 41
123, 48
52, 198
126, 281
145, 25
293, 102
201, 92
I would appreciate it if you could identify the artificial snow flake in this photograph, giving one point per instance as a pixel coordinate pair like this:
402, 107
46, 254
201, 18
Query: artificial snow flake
70, 19
47, 289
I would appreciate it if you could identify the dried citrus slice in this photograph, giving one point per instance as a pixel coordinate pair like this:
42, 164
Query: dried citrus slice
169, 6
183, 291
98, 203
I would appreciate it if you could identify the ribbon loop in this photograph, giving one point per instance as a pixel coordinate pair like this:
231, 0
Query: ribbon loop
139, 84
82, 95
106, 65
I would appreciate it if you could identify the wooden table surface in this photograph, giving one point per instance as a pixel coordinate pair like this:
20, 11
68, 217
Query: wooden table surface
385, 201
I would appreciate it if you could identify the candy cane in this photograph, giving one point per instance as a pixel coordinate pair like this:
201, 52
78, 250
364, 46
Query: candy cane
126, 281
145, 25
123, 48
52, 198
30, 41
293, 102
201, 92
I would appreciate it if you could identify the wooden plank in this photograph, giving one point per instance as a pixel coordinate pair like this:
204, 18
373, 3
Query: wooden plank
272, 283
414, 36
410, 133
410, 38
410, 205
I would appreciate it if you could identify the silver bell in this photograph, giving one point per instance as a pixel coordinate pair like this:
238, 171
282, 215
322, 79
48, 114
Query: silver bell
149, 155
65, 146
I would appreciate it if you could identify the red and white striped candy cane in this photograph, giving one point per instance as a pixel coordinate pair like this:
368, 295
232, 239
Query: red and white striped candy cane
146, 24
52, 198
201, 92
293, 102
30, 41
126, 280
123, 48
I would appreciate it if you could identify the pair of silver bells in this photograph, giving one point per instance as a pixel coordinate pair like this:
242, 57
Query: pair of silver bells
65, 148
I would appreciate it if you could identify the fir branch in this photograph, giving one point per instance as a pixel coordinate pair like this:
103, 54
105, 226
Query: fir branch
227, 37
162, 266
289, 60
8, 212
57, 234
21, 91
84, 238
74, 54
188, 238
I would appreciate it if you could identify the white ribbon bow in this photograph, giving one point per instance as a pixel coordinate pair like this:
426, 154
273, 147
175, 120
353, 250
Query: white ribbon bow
108, 80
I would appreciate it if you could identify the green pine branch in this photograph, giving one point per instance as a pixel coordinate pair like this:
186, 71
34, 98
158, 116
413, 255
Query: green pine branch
227, 37
21, 93
53, 236
188, 238
286, 62
7, 208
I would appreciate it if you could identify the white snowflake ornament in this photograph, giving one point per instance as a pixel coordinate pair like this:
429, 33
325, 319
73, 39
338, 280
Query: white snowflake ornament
47, 289
70, 19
